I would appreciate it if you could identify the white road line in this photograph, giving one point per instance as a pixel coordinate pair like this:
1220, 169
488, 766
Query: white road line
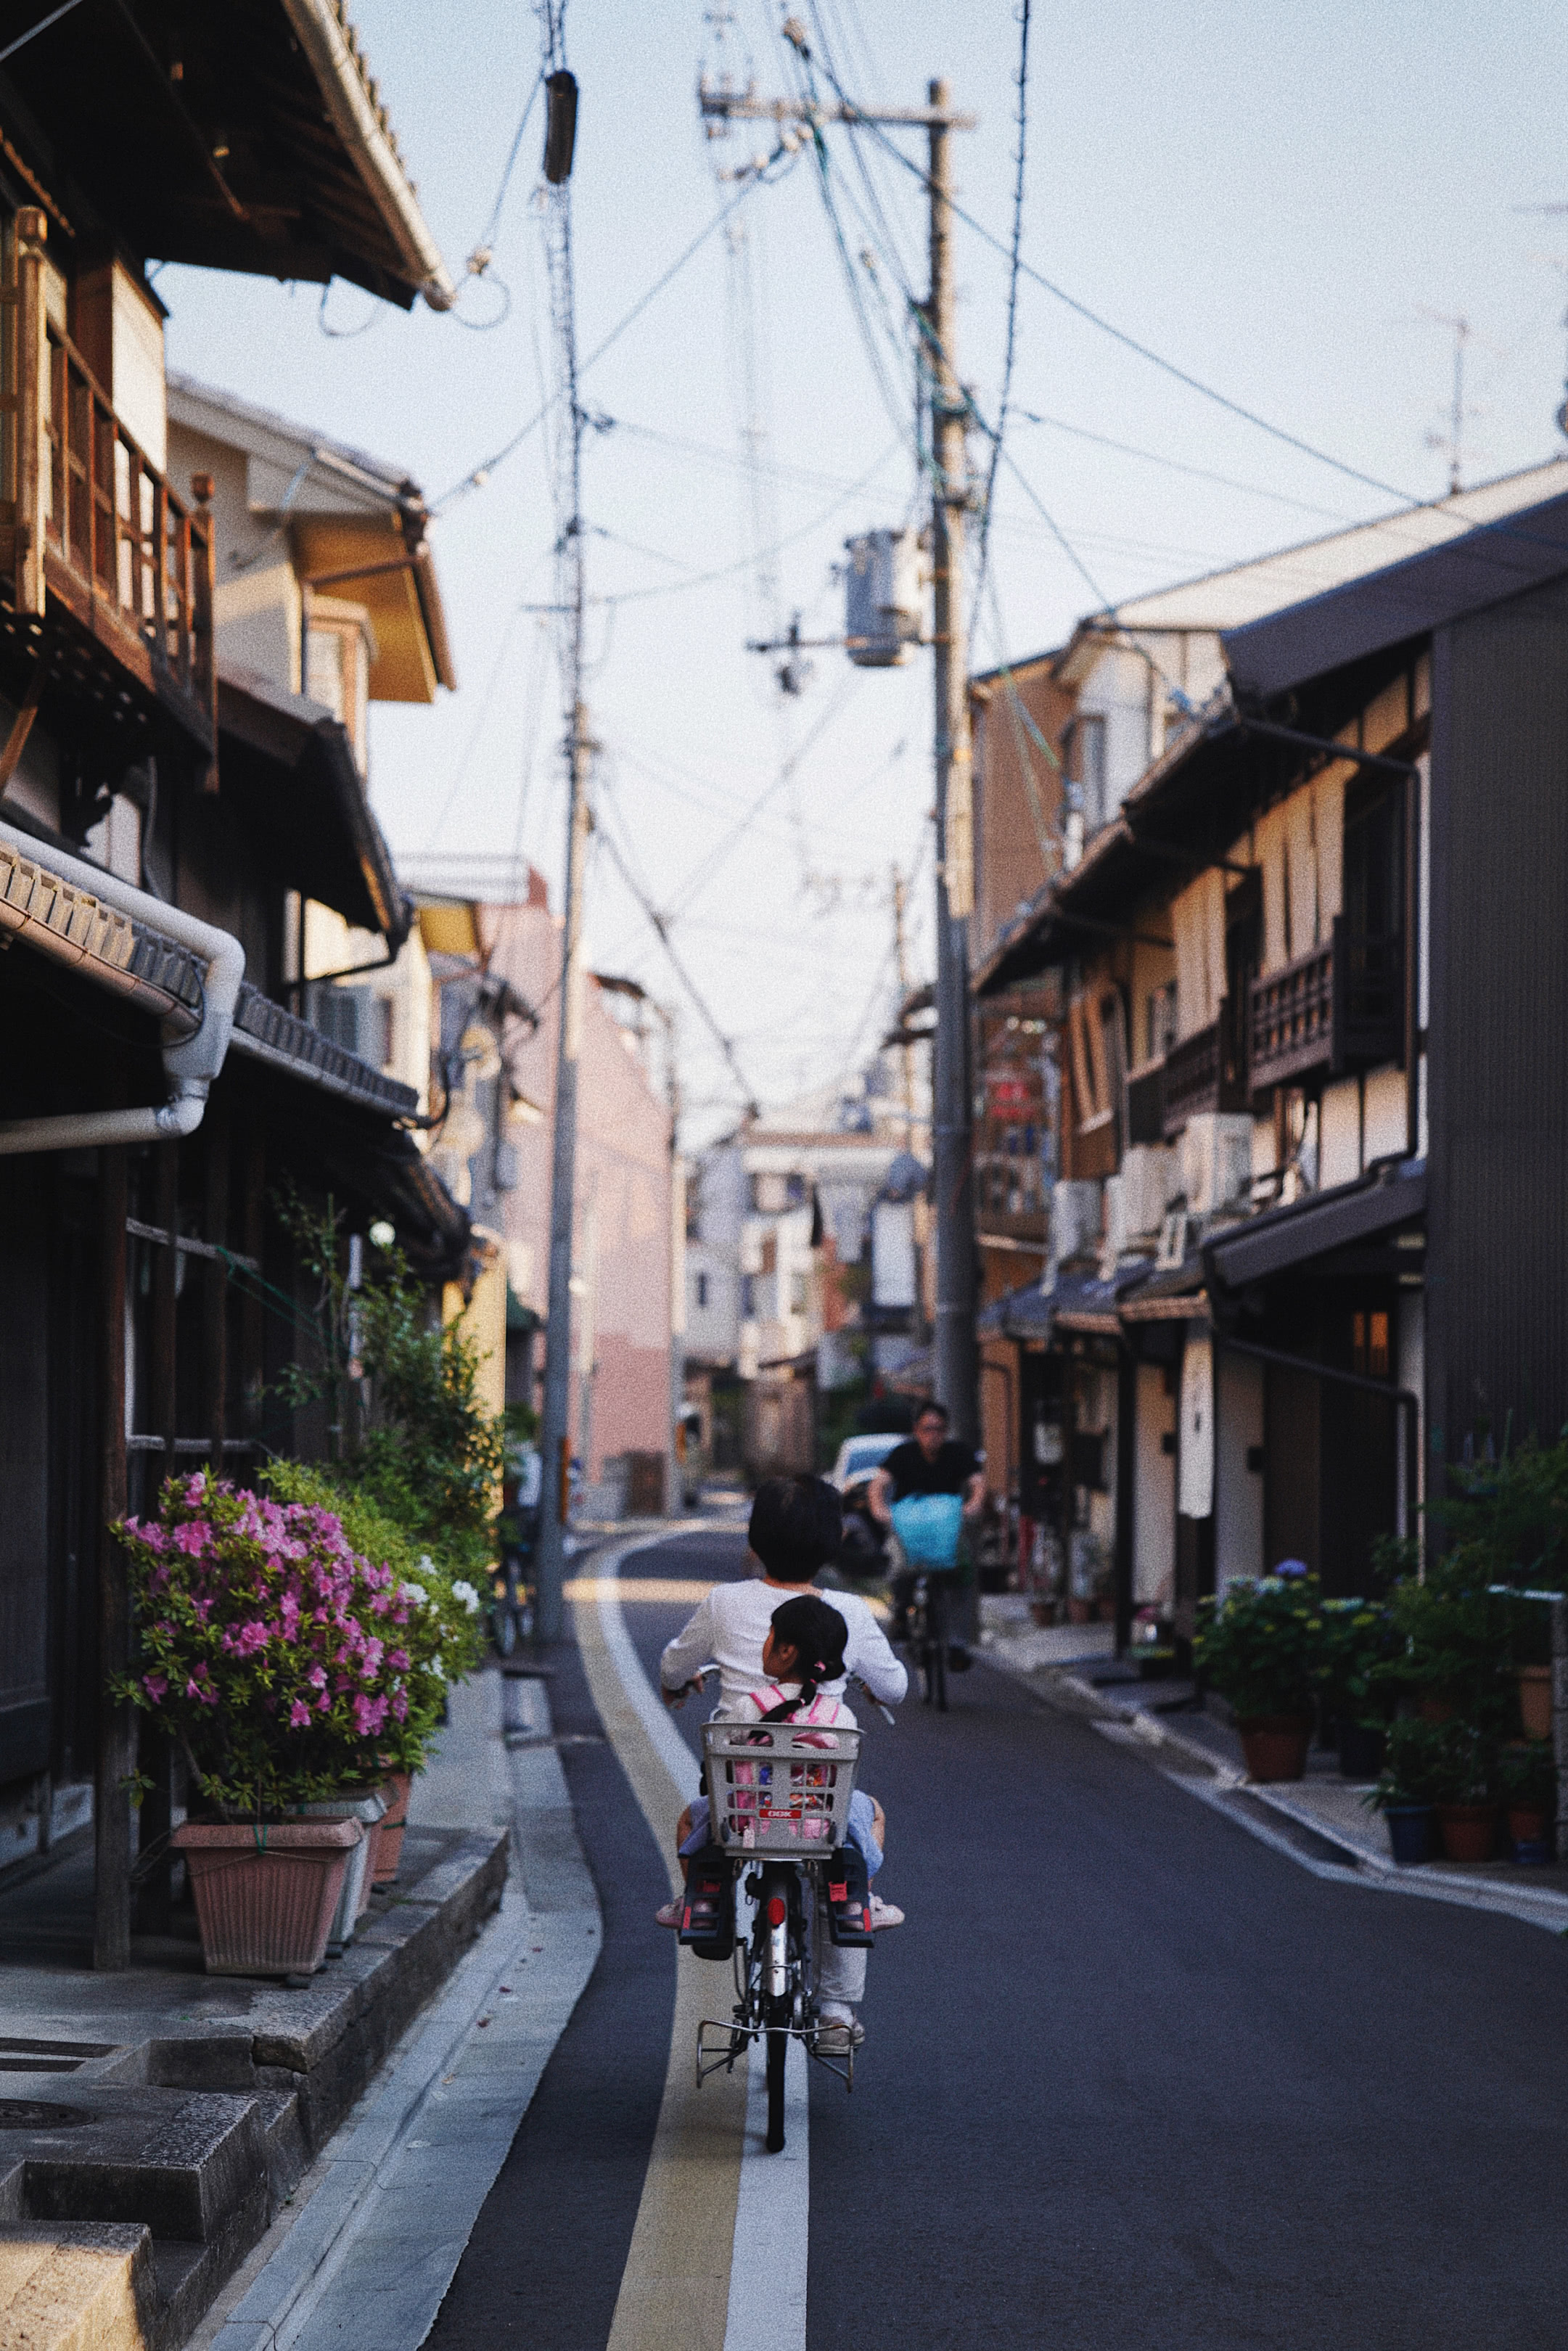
652, 1713
772, 2217
772, 2223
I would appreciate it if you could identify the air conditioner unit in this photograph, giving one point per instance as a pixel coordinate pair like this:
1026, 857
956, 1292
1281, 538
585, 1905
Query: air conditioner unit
1077, 1214
1151, 1178
883, 599
1217, 1160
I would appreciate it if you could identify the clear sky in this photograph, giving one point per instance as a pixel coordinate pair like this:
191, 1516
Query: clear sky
1286, 200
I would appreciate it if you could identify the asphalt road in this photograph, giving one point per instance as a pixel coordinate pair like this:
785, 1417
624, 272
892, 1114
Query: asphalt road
1131, 2078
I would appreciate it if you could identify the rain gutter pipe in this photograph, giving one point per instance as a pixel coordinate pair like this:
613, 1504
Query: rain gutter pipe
191, 1062
323, 37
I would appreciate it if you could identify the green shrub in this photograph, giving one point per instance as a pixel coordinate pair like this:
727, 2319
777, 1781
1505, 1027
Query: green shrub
1436, 1764
425, 1450
1528, 1776
1260, 1645
1353, 1653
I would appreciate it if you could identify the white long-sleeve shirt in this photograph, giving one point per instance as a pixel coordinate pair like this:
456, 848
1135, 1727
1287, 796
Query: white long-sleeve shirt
731, 1625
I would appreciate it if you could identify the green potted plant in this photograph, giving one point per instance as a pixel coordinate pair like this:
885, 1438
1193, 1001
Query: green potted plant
1406, 1789
1467, 1810
275, 1656
1528, 1776
1258, 1647
443, 1637
1355, 1649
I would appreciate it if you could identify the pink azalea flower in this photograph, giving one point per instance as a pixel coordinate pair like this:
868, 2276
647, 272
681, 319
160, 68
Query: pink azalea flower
156, 1686
298, 1715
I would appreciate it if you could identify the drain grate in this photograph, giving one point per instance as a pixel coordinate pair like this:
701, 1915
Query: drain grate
23, 2056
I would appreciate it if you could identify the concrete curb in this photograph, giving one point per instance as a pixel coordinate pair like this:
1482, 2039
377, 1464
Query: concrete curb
374, 2236
1297, 1831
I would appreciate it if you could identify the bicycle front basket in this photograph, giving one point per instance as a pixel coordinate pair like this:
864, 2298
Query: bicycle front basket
779, 1791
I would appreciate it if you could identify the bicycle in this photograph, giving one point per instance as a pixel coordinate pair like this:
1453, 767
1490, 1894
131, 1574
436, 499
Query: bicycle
928, 1638
778, 1801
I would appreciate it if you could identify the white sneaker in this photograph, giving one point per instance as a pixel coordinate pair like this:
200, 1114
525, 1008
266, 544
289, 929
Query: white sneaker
838, 2029
883, 1914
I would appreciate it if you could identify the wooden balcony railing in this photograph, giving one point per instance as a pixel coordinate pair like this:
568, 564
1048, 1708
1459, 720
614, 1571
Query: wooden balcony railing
1205, 1072
1336, 1009
87, 520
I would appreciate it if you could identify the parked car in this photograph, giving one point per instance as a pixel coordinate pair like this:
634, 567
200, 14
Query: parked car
862, 1556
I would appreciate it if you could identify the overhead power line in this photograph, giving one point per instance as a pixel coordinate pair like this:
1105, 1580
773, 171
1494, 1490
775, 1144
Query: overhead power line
476, 478
983, 553
661, 925
1119, 334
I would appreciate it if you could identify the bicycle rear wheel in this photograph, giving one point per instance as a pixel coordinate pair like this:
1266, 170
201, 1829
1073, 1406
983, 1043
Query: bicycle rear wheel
777, 2051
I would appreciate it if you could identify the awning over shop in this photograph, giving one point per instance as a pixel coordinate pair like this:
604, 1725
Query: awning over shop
1310, 1229
1176, 1294
1075, 1301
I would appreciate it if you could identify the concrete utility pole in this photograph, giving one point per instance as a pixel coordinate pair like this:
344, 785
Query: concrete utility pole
956, 1360
555, 1439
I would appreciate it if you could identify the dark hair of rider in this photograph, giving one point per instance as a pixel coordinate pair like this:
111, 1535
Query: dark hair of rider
817, 1634
931, 1407
796, 1524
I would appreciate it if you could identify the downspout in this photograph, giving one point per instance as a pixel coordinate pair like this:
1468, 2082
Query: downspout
190, 1063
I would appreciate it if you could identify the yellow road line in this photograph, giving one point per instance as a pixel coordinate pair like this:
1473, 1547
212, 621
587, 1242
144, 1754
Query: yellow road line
675, 2290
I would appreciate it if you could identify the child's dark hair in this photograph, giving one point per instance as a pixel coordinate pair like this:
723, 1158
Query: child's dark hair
817, 1634
796, 1523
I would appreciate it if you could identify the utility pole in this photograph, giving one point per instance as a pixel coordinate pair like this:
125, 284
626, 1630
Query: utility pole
922, 1206
956, 1360
555, 1434
555, 1438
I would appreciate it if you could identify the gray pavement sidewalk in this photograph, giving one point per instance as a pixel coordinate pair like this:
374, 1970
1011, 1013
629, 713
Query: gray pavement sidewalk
362, 2258
1320, 1821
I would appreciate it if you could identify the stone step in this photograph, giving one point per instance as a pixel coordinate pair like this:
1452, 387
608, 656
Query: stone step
184, 2164
81, 2287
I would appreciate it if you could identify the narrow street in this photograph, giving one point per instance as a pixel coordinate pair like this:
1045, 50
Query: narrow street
1129, 2076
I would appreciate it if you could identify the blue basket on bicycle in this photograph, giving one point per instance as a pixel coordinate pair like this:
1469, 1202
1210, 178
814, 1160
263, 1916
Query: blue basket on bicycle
928, 1527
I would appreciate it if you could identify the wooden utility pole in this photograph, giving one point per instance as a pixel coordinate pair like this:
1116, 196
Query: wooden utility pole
956, 1356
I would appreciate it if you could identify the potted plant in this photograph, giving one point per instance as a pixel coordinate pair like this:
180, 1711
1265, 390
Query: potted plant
274, 1654
1405, 1792
1258, 1647
1466, 1812
442, 1635
1356, 1645
1528, 1775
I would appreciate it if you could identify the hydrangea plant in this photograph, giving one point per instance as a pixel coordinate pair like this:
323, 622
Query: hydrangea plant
1260, 1645
284, 1661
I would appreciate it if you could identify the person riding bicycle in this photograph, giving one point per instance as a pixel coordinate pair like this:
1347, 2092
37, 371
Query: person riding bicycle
926, 1464
804, 1651
796, 1526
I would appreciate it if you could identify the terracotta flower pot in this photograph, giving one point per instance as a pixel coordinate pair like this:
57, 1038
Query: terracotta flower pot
266, 1893
1535, 1700
1528, 1826
1043, 1611
1437, 1709
1079, 1612
1275, 1745
1469, 1831
389, 1830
